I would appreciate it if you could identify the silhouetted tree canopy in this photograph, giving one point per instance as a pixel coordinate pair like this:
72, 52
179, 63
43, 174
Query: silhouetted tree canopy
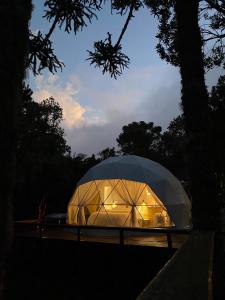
174, 145
141, 138
109, 57
40, 127
43, 168
217, 141
212, 23
69, 15
41, 54
107, 152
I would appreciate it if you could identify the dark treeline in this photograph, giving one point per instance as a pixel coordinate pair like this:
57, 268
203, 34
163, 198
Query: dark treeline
46, 169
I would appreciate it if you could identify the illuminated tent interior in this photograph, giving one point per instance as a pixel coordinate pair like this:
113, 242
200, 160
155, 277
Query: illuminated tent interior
129, 191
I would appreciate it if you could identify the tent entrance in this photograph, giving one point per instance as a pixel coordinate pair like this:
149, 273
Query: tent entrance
117, 202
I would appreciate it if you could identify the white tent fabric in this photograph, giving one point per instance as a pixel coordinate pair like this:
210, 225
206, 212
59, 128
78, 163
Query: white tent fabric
146, 175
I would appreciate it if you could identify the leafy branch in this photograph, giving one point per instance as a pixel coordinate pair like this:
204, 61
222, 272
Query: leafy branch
41, 54
110, 57
74, 14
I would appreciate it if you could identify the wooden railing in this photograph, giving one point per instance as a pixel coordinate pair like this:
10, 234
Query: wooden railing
42, 227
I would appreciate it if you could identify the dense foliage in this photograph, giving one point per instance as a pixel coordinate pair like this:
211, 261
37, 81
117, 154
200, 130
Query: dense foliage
216, 141
45, 169
142, 139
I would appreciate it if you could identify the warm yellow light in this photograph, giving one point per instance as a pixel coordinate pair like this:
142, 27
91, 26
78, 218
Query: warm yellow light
164, 213
143, 210
108, 206
114, 204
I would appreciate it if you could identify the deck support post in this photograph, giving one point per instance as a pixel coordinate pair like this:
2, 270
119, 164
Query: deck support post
169, 240
121, 236
78, 234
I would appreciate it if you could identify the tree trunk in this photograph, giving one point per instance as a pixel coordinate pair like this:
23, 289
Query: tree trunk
14, 18
205, 208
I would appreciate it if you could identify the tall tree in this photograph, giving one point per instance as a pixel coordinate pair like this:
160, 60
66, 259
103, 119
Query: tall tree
205, 208
217, 140
174, 147
14, 18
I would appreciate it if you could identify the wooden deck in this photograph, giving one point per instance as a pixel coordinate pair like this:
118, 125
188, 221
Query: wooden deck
156, 237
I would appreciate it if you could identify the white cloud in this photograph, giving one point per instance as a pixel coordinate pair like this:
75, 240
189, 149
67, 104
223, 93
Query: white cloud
74, 114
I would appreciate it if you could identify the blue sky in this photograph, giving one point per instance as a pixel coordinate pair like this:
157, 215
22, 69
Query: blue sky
96, 106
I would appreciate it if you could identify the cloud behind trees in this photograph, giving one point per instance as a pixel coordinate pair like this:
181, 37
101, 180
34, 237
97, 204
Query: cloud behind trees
95, 108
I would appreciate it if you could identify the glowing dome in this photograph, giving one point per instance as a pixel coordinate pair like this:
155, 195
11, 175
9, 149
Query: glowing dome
129, 191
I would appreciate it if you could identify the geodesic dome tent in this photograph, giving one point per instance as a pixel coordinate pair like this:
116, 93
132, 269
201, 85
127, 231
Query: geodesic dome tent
129, 191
